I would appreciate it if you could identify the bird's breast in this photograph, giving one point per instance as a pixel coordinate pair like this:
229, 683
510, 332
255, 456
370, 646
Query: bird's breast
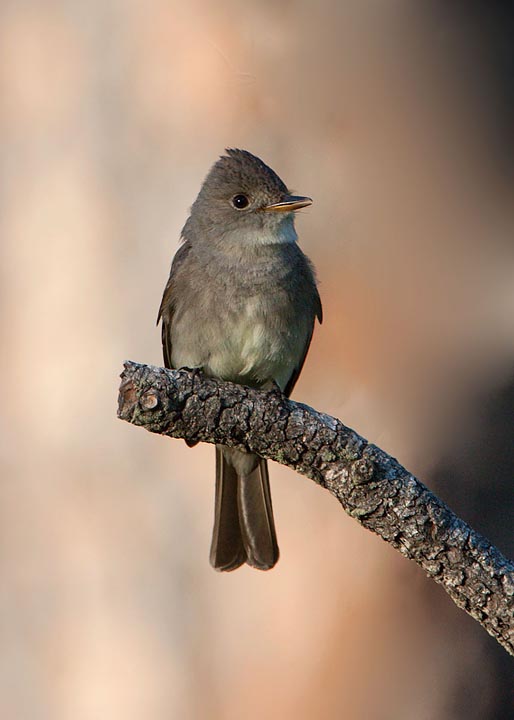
248, 323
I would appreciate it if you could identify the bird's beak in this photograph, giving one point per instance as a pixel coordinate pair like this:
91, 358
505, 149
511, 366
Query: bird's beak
290, 203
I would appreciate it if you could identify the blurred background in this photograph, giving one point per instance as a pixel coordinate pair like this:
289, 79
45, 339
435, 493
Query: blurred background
397, 119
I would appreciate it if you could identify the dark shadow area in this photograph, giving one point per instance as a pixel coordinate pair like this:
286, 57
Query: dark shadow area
489, 66
477, 482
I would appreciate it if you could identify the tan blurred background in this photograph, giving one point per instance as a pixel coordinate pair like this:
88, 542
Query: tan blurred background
397, 119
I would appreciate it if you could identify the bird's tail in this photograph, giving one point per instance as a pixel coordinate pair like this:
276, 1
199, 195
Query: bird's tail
244, 529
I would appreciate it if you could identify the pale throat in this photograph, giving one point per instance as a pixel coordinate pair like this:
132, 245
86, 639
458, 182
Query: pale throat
273, 234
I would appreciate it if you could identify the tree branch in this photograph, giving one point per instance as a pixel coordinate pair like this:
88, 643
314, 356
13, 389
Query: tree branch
370, 485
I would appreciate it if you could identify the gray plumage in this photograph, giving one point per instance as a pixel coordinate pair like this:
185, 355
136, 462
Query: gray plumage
240, 304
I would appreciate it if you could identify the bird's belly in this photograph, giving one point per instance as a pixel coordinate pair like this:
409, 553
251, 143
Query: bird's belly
249, 347
250, 351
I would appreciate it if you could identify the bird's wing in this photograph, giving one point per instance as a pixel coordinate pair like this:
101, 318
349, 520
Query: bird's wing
318, 312
166, 308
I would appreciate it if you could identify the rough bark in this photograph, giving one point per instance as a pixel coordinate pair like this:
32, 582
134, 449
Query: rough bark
370, 484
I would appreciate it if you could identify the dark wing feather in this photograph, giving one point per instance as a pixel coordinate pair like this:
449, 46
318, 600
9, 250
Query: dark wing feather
318, 311
166, 308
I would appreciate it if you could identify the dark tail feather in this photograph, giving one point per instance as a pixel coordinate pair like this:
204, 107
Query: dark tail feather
256, 518
227, 550
244, 529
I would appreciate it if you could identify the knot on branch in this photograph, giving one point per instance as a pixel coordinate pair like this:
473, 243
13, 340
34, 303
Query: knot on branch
149, 400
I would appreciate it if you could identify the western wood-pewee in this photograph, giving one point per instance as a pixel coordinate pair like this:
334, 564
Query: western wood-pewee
240, 304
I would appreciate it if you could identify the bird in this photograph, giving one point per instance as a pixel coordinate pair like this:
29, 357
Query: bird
240, 304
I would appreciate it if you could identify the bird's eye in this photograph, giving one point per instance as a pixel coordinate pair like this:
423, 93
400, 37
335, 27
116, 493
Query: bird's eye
240, 202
